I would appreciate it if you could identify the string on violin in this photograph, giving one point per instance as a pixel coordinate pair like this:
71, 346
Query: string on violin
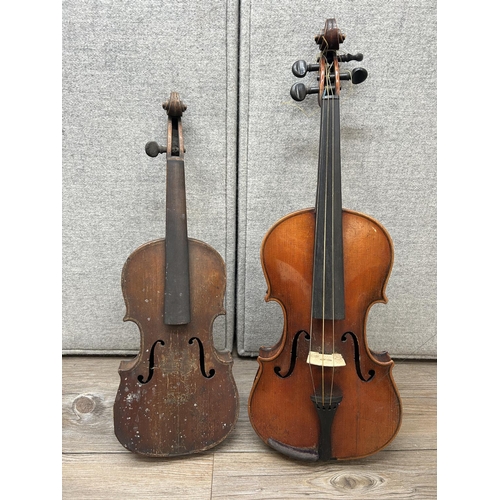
328, 186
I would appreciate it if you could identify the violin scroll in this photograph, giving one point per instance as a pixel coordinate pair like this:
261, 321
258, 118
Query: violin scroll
174, 108
329, 76
331, 37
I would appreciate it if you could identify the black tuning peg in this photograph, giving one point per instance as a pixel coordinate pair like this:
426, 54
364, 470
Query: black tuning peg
358, 75
350, 57
300, 68
299, 91
153, 149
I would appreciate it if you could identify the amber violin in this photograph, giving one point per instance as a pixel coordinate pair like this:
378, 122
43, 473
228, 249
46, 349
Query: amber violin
321, 393
178, 395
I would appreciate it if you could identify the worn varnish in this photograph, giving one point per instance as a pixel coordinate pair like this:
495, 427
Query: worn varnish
178, 395
187, 400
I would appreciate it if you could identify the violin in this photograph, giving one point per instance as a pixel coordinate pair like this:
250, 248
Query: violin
178, 395
321, 393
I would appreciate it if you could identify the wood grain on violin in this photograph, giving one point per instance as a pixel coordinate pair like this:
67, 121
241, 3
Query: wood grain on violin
321, 393
178, 395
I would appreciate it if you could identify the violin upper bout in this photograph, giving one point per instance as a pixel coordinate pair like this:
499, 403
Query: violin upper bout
208, 271
141, 283
286, 254
368, 255
287, 267
143, 280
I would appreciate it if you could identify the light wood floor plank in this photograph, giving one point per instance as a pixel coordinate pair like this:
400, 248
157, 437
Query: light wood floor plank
387, 475
120, 476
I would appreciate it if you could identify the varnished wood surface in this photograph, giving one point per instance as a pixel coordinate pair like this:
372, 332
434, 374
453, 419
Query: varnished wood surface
95, 466
178, 396
369, 415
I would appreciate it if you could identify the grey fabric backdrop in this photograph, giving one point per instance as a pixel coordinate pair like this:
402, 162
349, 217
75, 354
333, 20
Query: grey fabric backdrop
388, 128
120, 62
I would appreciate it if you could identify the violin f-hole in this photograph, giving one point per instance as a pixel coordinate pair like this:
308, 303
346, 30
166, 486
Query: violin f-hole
371, 373
293, 355
211, 372
140, 378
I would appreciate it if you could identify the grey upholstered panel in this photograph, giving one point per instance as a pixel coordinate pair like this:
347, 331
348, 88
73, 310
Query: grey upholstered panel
121, 59
388, 151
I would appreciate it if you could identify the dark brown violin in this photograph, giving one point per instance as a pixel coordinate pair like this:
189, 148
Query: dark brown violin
178, 395
321, 393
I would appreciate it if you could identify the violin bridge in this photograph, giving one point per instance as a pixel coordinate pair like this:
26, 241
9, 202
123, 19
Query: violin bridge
331, 360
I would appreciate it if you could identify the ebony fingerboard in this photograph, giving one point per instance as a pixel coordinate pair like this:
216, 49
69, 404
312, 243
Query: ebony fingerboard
328, 272
177, 293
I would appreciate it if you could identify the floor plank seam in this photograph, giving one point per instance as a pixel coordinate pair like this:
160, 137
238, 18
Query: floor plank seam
212, 478
96, 452
248, 452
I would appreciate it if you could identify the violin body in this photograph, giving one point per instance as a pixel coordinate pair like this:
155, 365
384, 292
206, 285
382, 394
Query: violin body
178, 395
321, 393
280, 407
182, 408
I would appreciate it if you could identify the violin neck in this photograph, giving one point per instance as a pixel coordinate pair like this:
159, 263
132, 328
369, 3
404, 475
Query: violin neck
328, 273
177, 294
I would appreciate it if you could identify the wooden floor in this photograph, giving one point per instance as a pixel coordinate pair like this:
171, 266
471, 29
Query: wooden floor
95, 466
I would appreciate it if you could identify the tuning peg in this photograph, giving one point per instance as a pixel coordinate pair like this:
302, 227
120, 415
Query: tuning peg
299, 91
351, 57
153, 149
358, 75
300, 68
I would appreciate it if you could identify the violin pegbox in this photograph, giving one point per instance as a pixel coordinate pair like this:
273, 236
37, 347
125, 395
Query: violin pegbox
329, 40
